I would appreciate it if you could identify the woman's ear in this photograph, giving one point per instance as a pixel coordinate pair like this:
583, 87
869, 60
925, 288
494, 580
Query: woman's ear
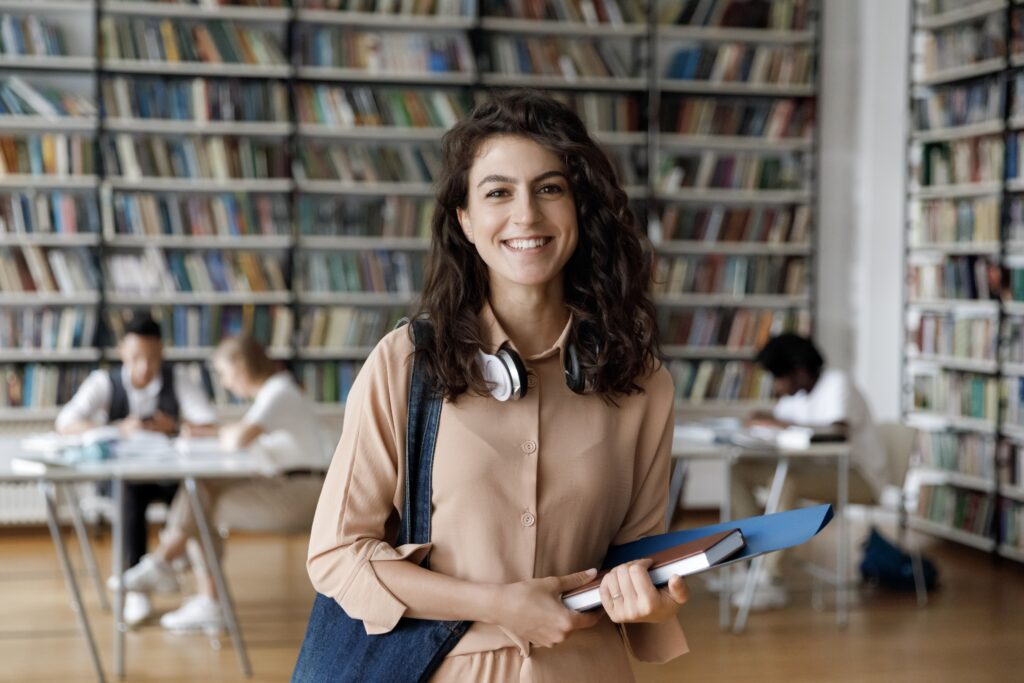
467, 228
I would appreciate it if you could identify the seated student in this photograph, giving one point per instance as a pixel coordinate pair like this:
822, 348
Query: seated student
281, 425
143, 394
809, 395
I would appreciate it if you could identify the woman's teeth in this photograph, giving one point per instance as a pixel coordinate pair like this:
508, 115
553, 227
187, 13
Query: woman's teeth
521, 245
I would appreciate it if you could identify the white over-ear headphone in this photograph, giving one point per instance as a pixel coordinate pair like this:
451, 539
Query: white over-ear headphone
506, 373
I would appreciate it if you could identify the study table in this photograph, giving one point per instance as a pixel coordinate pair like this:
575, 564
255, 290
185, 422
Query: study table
187, 461
685, 450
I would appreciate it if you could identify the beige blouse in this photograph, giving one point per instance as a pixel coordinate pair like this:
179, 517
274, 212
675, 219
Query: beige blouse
523, 489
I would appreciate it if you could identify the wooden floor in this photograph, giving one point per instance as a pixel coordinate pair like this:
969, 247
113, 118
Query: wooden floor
972, 629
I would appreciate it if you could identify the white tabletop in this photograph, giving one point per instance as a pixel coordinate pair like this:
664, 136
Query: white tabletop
198, 458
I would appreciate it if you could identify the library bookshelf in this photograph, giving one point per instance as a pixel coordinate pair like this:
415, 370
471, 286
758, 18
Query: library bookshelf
266, 167
963, 327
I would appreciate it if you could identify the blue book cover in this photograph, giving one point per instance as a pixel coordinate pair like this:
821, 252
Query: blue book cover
762, 534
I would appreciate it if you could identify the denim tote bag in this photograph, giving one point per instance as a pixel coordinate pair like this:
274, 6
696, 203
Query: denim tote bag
336, 648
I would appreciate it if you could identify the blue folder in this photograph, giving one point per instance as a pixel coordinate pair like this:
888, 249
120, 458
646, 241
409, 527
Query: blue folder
763, 534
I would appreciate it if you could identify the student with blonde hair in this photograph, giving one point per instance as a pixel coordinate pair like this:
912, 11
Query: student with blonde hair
281, 427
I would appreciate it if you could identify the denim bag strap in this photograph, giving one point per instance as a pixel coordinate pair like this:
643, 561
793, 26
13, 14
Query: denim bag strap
336, 647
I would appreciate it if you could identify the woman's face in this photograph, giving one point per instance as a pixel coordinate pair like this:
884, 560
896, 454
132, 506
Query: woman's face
520, 213
231, 375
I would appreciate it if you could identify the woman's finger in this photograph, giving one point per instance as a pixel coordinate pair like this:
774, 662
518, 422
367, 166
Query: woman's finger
678, 590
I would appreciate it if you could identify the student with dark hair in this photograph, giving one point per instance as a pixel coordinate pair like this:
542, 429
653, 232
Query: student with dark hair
554, 438
142, 394
813, 396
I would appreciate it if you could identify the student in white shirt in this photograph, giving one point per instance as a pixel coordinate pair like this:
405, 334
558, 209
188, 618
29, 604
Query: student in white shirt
143, 394
812, 396
281, 427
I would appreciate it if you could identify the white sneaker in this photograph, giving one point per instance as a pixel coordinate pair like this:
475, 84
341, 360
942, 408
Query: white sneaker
150, 575
767, 595
137, 608
719, 580
199, 612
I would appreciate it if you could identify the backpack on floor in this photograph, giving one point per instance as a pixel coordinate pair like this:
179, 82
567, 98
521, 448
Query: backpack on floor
886, 565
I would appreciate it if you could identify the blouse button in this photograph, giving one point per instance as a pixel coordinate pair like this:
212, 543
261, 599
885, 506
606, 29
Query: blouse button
531, 380
528, 519
529, 447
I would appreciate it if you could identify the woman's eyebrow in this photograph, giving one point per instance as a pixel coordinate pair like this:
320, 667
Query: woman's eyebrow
494, 178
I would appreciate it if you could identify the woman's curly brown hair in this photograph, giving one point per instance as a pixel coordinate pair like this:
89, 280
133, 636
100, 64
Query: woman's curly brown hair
606, 280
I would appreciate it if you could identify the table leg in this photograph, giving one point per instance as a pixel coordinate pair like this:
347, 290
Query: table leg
50, 497
226, 603
725, 514
117, 486
675, 489
757, 564
842, 492
83, 540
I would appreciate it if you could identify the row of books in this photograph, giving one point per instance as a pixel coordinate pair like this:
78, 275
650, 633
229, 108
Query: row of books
361, 271
962, 220
708, 380
48, 212
958, 105
155, 271
223, 215
721, 224
375, 51
47, 329
204, 326
956, 394
956, 335
960, 45
972, 454
57, 154
328, 382
35, 385
955, 277
19, 97
735, 275
737, 329
443, 8
770, 119
742, 63
345, 107
777, 15
369, 164
30, 268
212, 42
341, 327
214, 157
1015, 227
973, 160
1014, 150
1013, 394
615, 12
567, 58
1013, 339
729, 170
1011, 523
1014, 280
1011, 464
384, 217
970, 511
30, 35
194, 99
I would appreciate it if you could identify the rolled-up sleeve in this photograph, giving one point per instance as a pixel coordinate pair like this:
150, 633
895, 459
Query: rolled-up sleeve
363, 490
664, 641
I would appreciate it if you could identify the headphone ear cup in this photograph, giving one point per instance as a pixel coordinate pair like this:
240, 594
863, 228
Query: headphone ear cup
571, 365
516, 370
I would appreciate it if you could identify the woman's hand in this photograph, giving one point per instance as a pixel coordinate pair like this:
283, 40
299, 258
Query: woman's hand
533, 609
629, 596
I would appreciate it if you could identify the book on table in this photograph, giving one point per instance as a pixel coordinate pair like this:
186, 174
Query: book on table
684, 559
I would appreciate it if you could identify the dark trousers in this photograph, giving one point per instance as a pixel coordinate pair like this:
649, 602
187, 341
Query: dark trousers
137, 497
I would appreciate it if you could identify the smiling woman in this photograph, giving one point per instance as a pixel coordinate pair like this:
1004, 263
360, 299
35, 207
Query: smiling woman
552, 442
